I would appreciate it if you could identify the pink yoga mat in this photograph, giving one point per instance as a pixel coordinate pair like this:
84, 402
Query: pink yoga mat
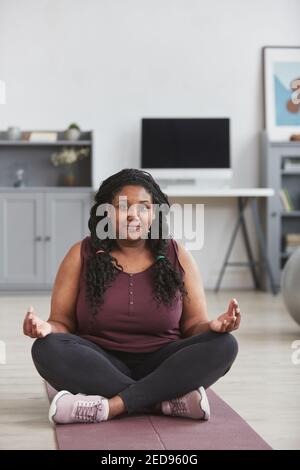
226, 430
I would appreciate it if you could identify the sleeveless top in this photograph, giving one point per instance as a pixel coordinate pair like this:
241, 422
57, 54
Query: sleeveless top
129, 318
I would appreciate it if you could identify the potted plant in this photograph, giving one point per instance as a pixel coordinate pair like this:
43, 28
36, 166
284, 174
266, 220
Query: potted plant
67, 159
73, 132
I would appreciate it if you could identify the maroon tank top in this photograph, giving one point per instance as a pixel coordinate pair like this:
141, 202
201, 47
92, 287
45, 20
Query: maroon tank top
129, 318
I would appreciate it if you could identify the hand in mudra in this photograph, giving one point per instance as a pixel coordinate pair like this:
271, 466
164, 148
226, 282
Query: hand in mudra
229, 320
34, 326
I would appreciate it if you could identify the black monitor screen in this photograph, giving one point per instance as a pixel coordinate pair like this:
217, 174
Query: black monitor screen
185, 143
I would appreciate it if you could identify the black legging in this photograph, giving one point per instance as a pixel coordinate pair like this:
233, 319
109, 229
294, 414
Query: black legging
68, 362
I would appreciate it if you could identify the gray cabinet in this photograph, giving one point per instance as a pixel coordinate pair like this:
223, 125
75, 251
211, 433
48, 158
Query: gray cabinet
21, 229
37, 228
66, 223
279, 223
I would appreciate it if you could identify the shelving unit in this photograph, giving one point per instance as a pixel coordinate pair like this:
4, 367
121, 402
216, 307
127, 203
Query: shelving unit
57, 143
278, 222
41, 220
34, 159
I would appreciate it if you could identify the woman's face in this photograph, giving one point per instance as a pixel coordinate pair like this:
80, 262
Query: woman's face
133, 212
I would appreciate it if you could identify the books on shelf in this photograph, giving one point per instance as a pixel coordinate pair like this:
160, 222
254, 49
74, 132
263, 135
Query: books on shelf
291, 164
291, 242
42, 136
286, 200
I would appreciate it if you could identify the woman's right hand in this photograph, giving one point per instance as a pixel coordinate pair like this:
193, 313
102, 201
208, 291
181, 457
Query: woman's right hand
34, 327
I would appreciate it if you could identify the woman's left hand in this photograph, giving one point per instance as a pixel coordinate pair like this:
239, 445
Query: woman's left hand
229, 320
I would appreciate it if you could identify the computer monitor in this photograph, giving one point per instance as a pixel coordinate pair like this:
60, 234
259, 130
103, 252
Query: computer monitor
187, 151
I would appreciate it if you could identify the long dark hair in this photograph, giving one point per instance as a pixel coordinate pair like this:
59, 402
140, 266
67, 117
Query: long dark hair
101, 271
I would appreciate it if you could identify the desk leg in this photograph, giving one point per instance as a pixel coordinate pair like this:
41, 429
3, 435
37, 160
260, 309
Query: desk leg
242, 206
225, 262
242, 203
262, 244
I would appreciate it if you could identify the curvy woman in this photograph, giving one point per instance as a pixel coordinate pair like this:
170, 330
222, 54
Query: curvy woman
128, 329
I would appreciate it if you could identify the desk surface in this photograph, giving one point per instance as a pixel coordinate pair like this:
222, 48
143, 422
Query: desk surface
231, 192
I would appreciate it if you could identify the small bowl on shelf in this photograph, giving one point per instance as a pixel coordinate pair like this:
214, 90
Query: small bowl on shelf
14, 133
72, 134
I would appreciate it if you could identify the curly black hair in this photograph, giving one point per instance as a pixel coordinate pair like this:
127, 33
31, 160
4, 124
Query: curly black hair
101, 271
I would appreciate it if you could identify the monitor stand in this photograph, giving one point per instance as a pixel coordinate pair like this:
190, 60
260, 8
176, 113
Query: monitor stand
171, 182
191, 179
193, 184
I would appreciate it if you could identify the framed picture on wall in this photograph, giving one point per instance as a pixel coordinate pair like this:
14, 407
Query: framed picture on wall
281, 66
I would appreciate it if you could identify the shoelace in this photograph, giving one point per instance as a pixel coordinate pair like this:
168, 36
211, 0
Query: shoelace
87, 410
178, 407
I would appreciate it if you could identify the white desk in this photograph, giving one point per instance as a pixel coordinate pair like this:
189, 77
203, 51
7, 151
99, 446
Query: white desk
214, 193
244, 196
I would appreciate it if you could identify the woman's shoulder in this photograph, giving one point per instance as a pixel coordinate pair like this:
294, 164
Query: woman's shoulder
175, 250
185, 257
79, 250
84, 246
75, 249
72, 259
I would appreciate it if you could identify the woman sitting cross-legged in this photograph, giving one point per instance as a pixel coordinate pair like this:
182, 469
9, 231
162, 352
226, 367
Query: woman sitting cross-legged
128, 329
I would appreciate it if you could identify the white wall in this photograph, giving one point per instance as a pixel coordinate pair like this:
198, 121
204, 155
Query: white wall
107, 63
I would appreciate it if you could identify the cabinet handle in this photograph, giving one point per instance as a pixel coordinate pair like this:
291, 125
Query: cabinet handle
47, 238
38, 238
273, 214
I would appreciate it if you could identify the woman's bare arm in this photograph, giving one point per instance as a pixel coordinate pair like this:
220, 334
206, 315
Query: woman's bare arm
194, 317
62, 317
65, 291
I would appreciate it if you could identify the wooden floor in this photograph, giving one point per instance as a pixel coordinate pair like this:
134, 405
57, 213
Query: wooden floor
263, 385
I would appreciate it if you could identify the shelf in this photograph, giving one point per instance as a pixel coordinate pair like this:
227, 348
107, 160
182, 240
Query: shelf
280, 169
291, 214
34, 157
285, 143
290, 173
30, 189
57, 143
285, 256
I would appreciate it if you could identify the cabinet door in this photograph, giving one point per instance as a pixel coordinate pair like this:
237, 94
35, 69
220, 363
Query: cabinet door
66, 222
21, 239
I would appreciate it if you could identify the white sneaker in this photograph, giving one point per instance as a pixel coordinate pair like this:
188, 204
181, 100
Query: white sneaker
68, 408
193, 405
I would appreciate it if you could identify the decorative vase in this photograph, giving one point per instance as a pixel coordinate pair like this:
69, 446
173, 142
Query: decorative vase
72, 134
69, 176
14, 133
